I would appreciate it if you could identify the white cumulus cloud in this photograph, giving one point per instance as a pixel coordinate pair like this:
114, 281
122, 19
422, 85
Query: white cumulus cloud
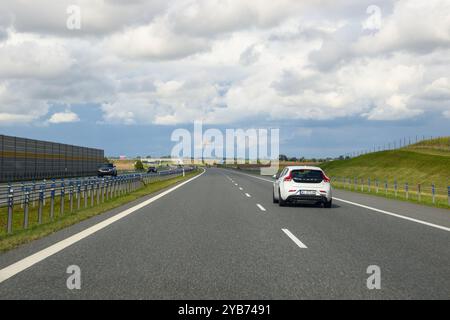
64, 117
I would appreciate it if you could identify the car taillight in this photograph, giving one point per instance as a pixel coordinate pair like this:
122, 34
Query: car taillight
288, 178
325, 178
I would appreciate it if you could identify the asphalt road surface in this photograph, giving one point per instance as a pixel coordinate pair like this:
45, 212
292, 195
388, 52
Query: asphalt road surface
220, 236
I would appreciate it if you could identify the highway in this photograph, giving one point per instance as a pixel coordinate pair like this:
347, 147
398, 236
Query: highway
219, 236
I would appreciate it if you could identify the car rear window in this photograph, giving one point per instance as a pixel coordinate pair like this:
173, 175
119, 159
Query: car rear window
307, 176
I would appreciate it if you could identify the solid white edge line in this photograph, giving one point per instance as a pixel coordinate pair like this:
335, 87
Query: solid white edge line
247, 195
39, 256
372, 208
261, 207
394, 214
295, 239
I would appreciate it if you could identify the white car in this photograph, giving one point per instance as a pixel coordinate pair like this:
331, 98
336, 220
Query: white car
302, 183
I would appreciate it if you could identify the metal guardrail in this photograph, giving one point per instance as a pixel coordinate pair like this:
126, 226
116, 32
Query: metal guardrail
80, 193
382, 186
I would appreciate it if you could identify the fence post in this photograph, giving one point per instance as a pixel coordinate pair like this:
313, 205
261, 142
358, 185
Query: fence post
98, 191
41, 202
91, 183
419, 192
407, 190
395, 187
85, 194
44, 182
377, 185
26, 208
368, 181
433, 193
22, 200
52, 200
448, 195
386, 187
9, 224
107, 189
71, 196
78, 195
63, 198
362, 184
33, 197
103, 190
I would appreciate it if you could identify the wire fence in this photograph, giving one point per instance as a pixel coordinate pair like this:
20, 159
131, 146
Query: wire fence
27, 204
428, 193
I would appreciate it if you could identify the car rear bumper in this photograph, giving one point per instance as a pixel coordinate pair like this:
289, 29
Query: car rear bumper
309, 198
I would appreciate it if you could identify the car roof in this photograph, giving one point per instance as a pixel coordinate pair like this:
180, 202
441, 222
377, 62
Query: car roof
303, 167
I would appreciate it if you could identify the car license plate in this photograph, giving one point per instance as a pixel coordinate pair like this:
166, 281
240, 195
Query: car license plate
307, 192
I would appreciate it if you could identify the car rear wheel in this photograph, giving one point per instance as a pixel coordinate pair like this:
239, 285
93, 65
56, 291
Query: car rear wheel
281, 202
327, 204
273, 196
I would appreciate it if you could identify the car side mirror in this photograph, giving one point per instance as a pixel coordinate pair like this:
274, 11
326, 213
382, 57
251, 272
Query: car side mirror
276, 176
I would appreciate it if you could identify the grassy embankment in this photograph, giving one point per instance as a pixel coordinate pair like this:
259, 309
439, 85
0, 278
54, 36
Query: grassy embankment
424, 163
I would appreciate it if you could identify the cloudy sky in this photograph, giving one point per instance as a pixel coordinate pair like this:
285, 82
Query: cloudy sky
334, 75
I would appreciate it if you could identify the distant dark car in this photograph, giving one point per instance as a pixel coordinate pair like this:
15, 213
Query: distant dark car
152, 170
107, 169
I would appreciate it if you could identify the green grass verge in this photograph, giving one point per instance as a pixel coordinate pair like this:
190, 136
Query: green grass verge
398, 165
425, 163
48, 226
441, 201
